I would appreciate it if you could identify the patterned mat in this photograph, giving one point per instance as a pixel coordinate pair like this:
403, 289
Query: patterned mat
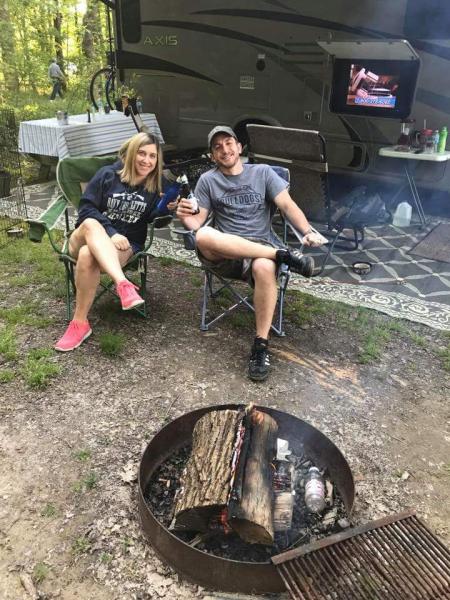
400, 284
436, 245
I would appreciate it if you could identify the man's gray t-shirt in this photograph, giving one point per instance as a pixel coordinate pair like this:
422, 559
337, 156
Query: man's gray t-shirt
241, 203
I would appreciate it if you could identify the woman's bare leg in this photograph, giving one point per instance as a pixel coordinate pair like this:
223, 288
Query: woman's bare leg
92, 234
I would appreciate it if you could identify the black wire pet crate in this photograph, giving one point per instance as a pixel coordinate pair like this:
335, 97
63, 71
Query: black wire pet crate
13, 210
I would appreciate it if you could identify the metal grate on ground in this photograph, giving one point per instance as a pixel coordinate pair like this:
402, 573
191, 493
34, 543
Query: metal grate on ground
393, 558
13, 210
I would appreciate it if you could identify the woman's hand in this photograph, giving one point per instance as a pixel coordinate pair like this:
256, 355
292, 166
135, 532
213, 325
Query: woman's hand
172, 205
120, 241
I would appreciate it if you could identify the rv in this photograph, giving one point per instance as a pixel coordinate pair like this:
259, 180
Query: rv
204, 62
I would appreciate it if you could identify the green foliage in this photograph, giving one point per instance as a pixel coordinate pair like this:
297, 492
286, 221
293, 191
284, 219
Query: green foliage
40, 572
8, 346
49, 510
81, 545
83, 455
445, 356
112, 344
38, 369
6, 375
105, 558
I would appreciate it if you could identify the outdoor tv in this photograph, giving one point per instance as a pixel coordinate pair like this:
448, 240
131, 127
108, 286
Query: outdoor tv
373, 88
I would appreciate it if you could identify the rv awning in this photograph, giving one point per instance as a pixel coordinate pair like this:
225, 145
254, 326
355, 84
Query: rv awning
370, 49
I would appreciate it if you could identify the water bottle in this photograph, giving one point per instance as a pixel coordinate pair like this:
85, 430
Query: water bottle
435, 140
139, 106
186, 192
442, 139
101, 110
314, 491
402, 215
171, 193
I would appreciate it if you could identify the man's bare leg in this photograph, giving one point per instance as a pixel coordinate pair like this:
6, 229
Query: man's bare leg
215, 245
92, 234
265, 295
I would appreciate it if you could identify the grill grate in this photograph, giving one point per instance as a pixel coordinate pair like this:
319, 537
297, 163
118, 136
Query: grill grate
394, 558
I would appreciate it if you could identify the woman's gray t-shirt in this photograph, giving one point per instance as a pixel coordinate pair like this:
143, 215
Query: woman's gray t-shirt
241, 203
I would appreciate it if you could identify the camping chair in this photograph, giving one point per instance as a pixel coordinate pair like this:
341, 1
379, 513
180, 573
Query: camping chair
72, 174
214, 283
304, 152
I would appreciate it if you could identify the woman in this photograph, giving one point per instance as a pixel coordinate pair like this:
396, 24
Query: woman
114, 211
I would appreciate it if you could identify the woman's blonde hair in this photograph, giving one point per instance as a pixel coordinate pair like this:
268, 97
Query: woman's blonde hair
127, 155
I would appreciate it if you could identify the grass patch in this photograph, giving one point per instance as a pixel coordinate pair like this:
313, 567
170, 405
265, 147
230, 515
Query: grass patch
49, 510
242, 319
40, 572
8, 346
105, 558
90, 481
82, 455
38, 369
419, 340
196, 280
81, 546
445, 356
112, 344
25, 314
303, 308
167, 261
6, 375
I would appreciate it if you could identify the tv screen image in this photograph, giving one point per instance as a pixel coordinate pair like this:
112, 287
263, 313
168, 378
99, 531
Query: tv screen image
366, 88
373, 87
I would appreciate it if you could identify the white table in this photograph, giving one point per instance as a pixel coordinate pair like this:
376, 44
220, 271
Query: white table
104, 135
391, 152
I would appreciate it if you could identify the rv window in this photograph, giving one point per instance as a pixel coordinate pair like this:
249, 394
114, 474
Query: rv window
427, 20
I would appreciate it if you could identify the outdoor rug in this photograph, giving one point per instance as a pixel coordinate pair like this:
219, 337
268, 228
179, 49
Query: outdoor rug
400, 284
436, 245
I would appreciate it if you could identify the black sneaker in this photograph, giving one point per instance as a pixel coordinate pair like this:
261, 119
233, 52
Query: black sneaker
303, 265
259, 364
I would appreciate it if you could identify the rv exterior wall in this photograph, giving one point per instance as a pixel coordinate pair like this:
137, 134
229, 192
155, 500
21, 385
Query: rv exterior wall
199, 67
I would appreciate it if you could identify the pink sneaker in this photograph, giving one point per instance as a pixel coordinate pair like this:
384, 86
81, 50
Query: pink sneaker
75, 335
128, 295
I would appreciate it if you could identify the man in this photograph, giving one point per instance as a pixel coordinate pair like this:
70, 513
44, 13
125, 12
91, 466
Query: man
242, 243
57, 78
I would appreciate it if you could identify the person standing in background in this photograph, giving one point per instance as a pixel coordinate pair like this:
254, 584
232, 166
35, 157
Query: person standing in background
57, 78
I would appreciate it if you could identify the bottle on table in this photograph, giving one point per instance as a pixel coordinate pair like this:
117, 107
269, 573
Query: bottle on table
442, 139
314, 491
186, 192
139, 106
101, 110
435, 140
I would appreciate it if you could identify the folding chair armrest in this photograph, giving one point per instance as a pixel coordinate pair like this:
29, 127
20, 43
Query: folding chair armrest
157, 223
188, 238
47, 221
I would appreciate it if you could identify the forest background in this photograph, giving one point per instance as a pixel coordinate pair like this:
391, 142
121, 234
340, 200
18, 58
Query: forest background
32, 33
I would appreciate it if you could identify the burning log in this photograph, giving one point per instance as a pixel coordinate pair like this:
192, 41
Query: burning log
228, 478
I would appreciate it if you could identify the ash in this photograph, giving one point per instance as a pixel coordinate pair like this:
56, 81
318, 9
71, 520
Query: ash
306, 527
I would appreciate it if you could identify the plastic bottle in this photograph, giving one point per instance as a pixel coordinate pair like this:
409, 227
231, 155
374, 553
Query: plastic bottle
139, 106
170, 194
186, 192
442, 139
402, 215
314, 491
435, 140
101, 110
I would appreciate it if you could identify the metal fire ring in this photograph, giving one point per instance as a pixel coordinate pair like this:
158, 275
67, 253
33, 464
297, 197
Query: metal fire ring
212, 571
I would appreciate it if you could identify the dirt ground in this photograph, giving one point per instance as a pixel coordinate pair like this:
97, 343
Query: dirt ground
69, 453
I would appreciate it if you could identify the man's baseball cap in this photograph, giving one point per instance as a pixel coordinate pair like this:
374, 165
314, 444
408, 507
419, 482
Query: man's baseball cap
220, 129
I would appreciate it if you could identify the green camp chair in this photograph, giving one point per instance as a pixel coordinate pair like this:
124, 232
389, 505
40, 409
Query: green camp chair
71, 174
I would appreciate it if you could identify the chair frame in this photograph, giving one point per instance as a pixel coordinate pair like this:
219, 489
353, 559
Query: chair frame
47, 223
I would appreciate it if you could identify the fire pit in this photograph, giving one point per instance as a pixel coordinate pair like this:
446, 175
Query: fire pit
214, 571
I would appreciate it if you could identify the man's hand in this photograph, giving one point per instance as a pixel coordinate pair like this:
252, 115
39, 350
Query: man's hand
120, 241
185, 208
314, 239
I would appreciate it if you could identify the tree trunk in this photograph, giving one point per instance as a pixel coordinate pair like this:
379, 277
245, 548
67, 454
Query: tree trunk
7, 48
251, 516
91, 30
206, 483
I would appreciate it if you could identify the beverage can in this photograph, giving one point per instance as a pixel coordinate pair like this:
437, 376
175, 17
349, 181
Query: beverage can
195, 206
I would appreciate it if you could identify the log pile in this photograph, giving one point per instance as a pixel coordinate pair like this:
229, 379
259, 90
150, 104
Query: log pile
228, 478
